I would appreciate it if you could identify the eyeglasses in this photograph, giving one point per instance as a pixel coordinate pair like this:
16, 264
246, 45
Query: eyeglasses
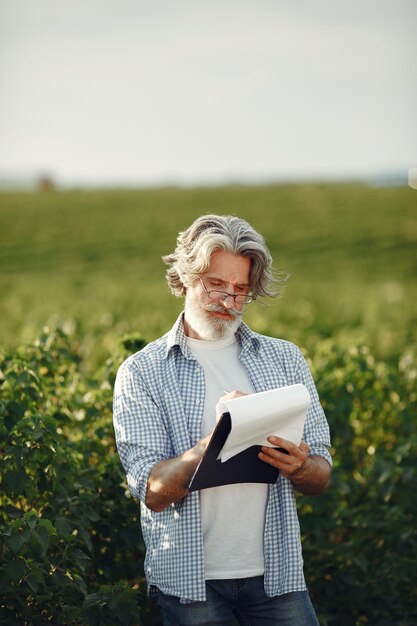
239, 298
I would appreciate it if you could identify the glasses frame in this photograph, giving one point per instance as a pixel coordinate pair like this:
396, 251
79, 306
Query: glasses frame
248, 299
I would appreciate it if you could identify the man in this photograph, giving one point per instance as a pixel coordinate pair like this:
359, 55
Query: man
232, 550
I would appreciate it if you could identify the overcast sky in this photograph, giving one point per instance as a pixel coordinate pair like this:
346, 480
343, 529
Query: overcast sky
151, 91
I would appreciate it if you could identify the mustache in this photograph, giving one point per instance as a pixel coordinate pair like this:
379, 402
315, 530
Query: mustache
218, 308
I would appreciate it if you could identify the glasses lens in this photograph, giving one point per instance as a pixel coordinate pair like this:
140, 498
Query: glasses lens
217, 295
221, 295
241, 299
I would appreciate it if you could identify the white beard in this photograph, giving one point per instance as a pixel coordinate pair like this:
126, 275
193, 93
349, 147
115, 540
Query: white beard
207, 326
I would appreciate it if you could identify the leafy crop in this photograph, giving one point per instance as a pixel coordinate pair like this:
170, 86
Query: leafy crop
70, 535
360, 540
70, 541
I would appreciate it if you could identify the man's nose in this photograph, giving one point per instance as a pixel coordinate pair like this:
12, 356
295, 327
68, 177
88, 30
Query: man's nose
229, 301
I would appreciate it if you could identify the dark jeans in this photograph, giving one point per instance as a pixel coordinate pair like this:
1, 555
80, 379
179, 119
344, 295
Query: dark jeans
243, 599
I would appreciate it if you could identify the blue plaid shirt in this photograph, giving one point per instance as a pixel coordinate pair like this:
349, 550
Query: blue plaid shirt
158, 408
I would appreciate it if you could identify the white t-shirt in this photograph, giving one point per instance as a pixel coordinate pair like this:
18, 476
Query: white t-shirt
232, 516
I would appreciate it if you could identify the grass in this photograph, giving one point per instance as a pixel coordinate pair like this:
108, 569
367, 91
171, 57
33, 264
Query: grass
93, 258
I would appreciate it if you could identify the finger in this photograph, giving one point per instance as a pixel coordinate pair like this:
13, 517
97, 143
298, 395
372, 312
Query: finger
282, 457
287, 464
236, 394
264, 455
304, 447
291, 448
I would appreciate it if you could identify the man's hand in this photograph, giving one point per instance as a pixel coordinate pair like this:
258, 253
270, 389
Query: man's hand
168, 480
230, 395
309, 474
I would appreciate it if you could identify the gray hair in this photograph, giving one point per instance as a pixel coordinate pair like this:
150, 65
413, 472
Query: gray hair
210, 233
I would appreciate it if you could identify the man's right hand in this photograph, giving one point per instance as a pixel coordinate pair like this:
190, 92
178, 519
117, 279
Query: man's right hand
231, 395
168, 480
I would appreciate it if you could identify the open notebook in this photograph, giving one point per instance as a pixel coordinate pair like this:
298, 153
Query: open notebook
244, 425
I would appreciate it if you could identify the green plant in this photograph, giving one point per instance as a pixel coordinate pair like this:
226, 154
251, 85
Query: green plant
70, 544
360, 540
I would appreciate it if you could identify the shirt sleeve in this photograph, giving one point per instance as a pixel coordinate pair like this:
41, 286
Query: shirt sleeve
316, 429
141, 436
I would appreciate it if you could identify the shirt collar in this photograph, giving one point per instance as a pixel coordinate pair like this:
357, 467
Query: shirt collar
176, 337
247, 338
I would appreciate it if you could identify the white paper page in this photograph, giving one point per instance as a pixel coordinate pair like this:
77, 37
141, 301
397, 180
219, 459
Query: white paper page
255, 417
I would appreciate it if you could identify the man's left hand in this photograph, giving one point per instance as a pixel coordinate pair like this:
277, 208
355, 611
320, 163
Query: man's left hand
309, 474
290, 461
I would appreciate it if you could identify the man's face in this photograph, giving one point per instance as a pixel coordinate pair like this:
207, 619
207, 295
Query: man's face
211, 319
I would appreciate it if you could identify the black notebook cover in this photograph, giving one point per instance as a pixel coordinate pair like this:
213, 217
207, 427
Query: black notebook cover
244, 467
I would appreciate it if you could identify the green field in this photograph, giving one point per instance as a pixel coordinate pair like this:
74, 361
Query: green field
87, 264
94, 258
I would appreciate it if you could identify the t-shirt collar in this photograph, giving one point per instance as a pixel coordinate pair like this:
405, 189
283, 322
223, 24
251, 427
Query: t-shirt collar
176, 337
